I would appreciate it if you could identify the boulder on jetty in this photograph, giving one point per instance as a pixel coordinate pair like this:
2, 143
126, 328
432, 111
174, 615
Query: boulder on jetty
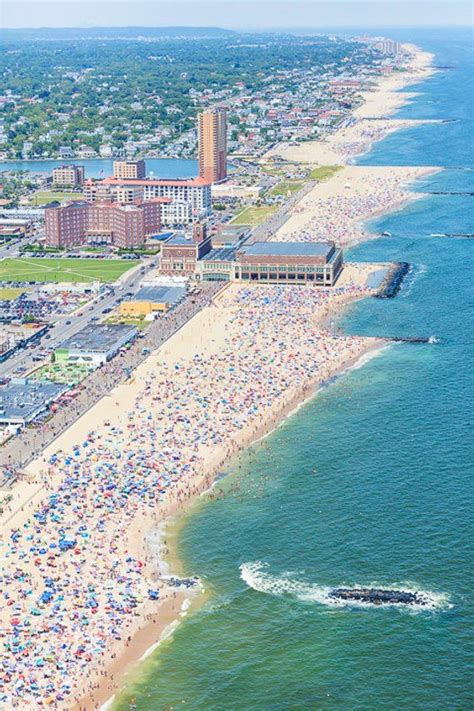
392, 283
377, 596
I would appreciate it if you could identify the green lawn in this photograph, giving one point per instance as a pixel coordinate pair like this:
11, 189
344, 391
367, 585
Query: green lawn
324, 172
70, 373
272, 170
139, 323
44, 196
7, 294
287, 186
254, 215
62, 270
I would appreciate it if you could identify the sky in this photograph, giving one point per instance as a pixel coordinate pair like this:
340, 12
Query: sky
235, 14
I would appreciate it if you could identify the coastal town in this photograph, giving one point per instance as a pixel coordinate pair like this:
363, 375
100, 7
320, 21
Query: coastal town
309, 89
152, 328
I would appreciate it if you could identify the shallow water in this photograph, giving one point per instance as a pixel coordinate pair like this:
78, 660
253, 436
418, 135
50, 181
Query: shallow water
368, 484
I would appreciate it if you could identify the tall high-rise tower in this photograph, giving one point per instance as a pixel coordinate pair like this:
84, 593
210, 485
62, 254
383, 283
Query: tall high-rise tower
212, 135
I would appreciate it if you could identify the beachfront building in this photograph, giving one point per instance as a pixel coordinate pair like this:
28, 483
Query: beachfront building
150, 300
95, 344
273, 262
68, 176
180, 254
217, 265
79, 223
212, 139
230, 235
129, 169
289, 263
21, 401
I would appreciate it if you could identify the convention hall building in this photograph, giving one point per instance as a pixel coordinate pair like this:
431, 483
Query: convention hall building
273, 262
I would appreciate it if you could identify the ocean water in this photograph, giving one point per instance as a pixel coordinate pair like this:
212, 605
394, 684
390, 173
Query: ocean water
370, 483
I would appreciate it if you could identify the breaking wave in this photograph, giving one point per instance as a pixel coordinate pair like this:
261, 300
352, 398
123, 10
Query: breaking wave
255, 575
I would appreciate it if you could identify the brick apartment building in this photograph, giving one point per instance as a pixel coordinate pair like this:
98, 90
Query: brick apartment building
79, 223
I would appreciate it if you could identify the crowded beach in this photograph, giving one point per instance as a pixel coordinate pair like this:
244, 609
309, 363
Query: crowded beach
334, 209
79, 584
77, 579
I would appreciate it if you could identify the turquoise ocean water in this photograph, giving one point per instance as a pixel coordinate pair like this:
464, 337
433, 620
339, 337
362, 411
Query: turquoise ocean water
369, 483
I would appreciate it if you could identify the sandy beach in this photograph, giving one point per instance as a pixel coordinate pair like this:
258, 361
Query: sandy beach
371, 121
84, 593
226, 378
335, 209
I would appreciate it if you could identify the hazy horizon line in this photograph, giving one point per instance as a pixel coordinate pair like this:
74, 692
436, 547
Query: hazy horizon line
235, 28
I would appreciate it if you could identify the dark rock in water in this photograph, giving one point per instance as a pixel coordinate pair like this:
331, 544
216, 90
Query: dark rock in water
182, 582
393, 281
377, 596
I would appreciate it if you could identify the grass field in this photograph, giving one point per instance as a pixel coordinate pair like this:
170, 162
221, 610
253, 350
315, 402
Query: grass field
324, 172
62, 270
7, 294
287, 186
254, 215
44, 196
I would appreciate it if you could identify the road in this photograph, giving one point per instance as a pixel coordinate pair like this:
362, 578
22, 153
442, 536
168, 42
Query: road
267, 229
89, 313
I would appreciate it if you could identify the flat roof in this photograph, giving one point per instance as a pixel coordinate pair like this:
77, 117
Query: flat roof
99, 337
234, 230
160, 294
176, 183
180, 239
219, 254
23, 399
293, 249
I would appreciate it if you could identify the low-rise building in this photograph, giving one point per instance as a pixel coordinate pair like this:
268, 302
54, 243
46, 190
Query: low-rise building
217, 265
95, 344
152, 299
230, 235
21, 401
289, 262
180, 254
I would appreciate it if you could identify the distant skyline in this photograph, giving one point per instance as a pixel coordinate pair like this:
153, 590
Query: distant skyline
234, 14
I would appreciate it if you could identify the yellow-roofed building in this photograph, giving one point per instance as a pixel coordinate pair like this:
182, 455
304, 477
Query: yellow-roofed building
152, 299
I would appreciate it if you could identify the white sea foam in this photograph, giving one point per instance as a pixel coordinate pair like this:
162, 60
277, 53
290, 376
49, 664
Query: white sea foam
370, 355
410, 278
256, 576
108, 704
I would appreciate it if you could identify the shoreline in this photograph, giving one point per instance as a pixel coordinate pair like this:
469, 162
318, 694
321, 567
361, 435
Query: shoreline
129, 665
124, 658
358, 361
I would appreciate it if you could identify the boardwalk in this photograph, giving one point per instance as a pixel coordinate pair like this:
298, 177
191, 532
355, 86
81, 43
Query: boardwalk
22, 449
